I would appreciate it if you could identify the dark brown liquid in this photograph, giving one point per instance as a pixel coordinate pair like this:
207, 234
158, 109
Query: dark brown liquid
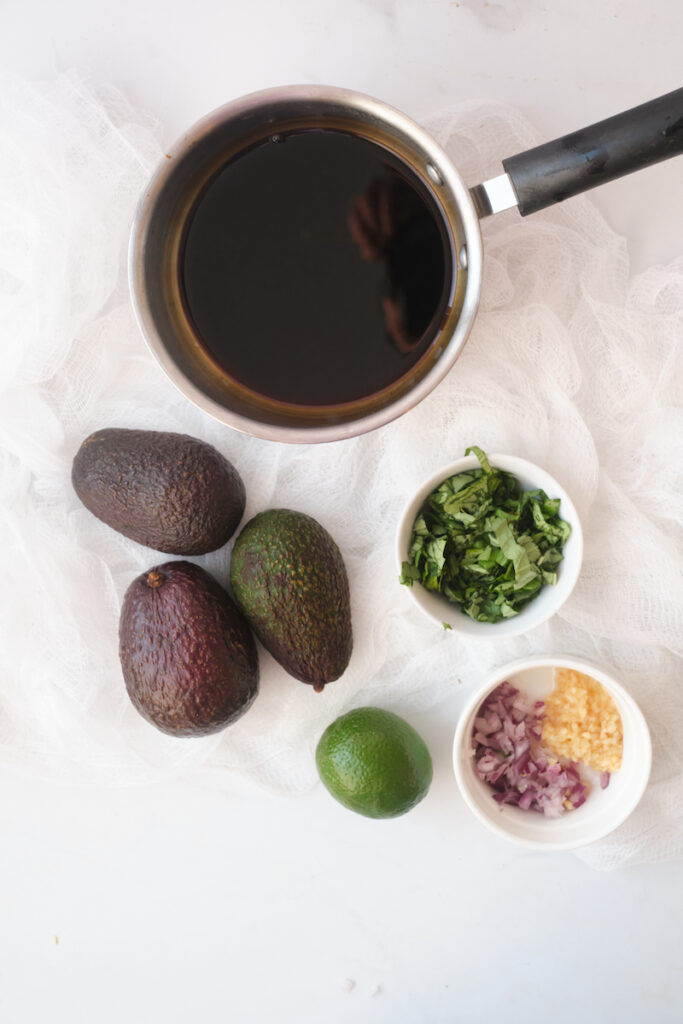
316, 268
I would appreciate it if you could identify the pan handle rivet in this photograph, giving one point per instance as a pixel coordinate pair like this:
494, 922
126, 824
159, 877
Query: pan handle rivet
462, 257
434, 175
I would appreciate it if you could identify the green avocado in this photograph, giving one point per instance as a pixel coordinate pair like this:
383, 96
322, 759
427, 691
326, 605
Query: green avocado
168, 491
289, 579
188, 657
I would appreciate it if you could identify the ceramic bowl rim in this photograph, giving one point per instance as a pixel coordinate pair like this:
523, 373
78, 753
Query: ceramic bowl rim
495, 821
533, 614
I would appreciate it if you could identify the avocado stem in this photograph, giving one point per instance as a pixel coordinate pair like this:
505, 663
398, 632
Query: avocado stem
154, 579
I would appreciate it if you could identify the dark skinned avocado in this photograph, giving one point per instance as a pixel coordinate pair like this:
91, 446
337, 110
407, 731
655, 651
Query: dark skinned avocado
188, 657
289, 579
168, 491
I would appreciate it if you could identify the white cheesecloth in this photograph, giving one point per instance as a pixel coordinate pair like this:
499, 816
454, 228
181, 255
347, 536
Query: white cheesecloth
572, 364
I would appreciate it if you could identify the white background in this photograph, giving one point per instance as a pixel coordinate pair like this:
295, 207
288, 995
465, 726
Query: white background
177, 902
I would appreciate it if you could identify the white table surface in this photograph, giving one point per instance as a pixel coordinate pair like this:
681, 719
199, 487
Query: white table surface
180, 903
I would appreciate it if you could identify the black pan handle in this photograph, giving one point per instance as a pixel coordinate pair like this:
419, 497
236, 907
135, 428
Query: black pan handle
575, 163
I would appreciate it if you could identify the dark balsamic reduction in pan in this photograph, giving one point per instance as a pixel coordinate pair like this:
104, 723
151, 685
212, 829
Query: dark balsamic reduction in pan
315, 268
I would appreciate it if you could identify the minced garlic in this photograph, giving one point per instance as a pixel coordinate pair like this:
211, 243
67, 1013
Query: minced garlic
582, 722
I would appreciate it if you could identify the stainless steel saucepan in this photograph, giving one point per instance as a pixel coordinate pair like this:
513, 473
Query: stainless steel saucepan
531, 181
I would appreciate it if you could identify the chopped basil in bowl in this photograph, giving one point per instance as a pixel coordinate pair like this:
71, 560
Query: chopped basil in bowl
489, 544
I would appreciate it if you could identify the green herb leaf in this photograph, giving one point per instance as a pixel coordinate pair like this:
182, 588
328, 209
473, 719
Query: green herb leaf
485, 544
409, 573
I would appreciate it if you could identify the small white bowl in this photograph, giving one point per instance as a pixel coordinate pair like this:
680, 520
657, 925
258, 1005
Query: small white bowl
548, 600
604, 809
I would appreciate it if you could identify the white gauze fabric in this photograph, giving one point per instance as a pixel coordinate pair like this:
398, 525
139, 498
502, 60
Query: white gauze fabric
571, 364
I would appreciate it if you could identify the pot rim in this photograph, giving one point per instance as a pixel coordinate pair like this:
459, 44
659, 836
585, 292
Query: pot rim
469, 258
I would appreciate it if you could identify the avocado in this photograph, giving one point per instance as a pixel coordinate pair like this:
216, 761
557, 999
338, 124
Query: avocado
188, 657
168, 491
289, 579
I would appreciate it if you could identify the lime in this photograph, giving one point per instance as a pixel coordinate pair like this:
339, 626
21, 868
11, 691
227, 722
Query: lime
374, 763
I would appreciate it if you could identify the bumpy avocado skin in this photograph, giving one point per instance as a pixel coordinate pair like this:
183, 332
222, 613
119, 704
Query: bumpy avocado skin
188, 657
171, 492
289, 579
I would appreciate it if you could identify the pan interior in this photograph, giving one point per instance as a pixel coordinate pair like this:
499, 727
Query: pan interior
222, 141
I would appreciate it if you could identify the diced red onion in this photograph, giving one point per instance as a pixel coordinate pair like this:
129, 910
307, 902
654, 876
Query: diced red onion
508, 756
